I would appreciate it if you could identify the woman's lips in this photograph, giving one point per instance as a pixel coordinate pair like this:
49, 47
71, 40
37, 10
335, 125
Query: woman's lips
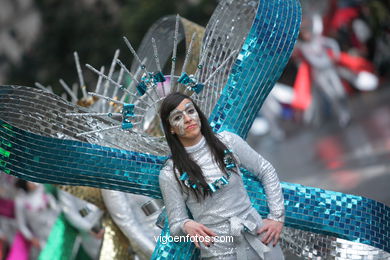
191, 127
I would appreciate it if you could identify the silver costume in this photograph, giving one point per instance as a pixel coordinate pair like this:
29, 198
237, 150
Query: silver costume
229, 208
137, 225
36, 212
7, 191
325, 77
83, 216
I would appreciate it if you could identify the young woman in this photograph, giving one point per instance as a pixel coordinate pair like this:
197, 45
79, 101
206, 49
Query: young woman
35, 212
202, 177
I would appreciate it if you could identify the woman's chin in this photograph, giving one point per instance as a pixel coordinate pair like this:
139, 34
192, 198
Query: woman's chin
193, 133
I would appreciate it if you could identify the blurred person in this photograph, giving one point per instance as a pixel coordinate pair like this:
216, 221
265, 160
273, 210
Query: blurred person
136, 216
35, 211
341, 25
377, 14
86, 218
3, 245
314, 49
7, 210
358, 26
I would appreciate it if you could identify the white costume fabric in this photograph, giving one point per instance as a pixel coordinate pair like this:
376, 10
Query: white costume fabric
7, 191
139, 228
72, 207
36, 212
325, 76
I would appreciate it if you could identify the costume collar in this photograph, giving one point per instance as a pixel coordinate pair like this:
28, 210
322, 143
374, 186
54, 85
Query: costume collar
196, 147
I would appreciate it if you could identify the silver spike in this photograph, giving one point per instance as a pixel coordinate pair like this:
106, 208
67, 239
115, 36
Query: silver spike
50, 89
110, 72
100, 130
109, 114
40, 86
80, 74
75, 89
68, 90
136, 75
188, 54
126, 70
107, 78
132, 49
204, 50
155, 52
100, 79
135, 55
174, 53
120, 77
220, 66
94, 114
114, 94
64, 96
105, 98
113, 100
134, 80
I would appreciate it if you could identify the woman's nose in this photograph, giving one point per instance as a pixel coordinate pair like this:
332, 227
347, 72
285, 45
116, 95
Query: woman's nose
187, 118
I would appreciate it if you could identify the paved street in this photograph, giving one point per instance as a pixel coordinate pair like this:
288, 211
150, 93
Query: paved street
353, 160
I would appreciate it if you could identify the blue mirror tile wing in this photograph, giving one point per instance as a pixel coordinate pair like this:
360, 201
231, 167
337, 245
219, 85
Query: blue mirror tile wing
49, 160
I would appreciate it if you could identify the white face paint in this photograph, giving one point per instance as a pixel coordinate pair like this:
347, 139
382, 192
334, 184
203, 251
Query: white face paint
177, 117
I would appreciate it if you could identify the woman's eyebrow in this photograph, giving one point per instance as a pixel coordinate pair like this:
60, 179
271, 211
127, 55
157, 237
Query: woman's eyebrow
180, 111
175, 111
188, 104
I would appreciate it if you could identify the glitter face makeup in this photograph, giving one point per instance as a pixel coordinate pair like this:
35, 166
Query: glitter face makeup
177, 117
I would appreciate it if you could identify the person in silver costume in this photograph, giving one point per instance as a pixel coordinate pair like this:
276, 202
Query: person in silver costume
8, 192
85, 217
199, 176
138, 224
314, 48
35, 211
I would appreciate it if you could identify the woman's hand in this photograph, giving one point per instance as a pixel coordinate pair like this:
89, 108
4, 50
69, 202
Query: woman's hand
195, 229
35, 242
272, 231
98, 235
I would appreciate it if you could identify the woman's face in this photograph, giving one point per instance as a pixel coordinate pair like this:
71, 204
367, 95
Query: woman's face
31, 186
185, 122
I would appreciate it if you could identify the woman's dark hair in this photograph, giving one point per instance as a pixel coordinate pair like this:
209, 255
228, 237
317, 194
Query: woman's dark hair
21, 184
181, 159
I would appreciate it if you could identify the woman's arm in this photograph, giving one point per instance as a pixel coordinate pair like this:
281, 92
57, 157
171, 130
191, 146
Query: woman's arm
71, 208
123, 212
21, 219
174, 200
332, 45
263, 170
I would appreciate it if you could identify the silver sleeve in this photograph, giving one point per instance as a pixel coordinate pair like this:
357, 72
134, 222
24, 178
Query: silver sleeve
333, 45
264, 171
21, 220
123, 212
317, 61
174, 200
71, 207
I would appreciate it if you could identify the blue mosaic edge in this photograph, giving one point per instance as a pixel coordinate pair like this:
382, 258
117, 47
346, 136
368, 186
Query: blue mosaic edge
259, 65
49, 160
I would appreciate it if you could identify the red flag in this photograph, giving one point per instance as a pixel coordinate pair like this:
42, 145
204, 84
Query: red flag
302, 87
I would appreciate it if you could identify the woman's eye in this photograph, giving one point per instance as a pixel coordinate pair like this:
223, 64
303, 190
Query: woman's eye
177, 118
191, 111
